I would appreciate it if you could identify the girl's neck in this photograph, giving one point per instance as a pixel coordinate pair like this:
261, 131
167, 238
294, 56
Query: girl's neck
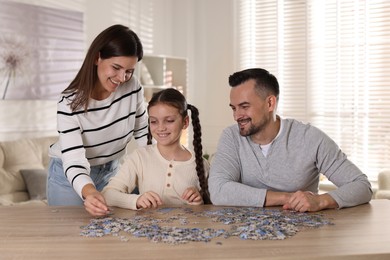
174, 153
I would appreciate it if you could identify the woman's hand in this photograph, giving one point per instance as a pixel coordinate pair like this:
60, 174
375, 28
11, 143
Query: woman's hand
192, 195
148, 200
94, 201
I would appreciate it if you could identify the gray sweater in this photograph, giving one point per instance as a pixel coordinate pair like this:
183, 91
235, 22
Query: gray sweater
240, 174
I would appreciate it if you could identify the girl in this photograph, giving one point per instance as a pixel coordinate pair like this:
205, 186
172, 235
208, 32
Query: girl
98, 114
165, 172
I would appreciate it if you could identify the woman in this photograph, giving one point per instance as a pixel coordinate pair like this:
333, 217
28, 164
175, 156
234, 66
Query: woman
166, 172
98, 114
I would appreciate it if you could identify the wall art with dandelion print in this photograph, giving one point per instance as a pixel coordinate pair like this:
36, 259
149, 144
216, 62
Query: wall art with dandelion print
16, 63
39, 54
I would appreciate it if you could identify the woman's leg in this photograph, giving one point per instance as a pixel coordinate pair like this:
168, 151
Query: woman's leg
101, 174
59, 190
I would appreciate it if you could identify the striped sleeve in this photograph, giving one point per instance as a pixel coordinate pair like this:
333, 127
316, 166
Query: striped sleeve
75, 163
141, 122
102, 133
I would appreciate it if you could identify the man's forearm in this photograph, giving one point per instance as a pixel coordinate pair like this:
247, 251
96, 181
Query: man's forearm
276, 198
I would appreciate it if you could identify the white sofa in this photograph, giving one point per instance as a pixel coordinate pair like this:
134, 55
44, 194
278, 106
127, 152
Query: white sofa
23, 170
383, 191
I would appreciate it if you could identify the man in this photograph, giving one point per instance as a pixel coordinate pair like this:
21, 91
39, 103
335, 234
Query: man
265, 160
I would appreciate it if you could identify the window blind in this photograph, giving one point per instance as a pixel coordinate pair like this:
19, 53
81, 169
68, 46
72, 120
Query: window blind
138, 15
332, 60
77, 5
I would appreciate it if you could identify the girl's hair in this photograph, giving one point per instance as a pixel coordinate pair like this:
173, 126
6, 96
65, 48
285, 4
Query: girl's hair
174, 98
115, 41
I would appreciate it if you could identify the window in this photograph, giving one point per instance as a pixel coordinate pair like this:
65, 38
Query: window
138, 15
332, 60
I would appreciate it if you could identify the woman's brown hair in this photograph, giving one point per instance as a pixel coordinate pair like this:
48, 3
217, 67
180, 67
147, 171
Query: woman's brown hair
115, 41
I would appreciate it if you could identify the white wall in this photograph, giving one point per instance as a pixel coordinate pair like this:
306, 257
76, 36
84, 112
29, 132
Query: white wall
213, 65
201, 30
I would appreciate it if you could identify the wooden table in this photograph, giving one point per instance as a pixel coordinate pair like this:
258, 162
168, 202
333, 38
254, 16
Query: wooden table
43, 232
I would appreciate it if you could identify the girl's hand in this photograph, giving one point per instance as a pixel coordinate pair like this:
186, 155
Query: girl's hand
148, 200
192, 195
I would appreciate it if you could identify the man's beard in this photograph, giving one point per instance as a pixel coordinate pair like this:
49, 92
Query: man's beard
252, 129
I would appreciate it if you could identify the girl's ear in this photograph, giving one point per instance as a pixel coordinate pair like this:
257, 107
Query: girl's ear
186, 122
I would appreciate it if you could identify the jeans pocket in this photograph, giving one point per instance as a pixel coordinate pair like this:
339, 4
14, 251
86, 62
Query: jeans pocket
56, 173
101, 174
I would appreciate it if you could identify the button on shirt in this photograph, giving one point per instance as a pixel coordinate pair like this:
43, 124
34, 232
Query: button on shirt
148, 170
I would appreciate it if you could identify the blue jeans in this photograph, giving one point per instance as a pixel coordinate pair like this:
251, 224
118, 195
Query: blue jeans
59, 190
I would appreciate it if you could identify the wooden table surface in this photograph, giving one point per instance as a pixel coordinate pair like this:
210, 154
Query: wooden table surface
43, 232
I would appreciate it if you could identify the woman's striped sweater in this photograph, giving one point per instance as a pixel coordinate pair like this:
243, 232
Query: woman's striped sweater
101, 134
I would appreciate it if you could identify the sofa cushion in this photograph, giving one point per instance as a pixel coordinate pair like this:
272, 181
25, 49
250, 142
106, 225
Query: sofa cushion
13, 198
35, 180
21, 154
9, 182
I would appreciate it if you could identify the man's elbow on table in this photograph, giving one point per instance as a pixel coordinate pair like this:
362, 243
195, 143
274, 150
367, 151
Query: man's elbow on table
217, 195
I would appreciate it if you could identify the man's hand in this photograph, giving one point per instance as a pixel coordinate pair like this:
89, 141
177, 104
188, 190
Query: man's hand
303, 201
149, 199
94, 201
192, 195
